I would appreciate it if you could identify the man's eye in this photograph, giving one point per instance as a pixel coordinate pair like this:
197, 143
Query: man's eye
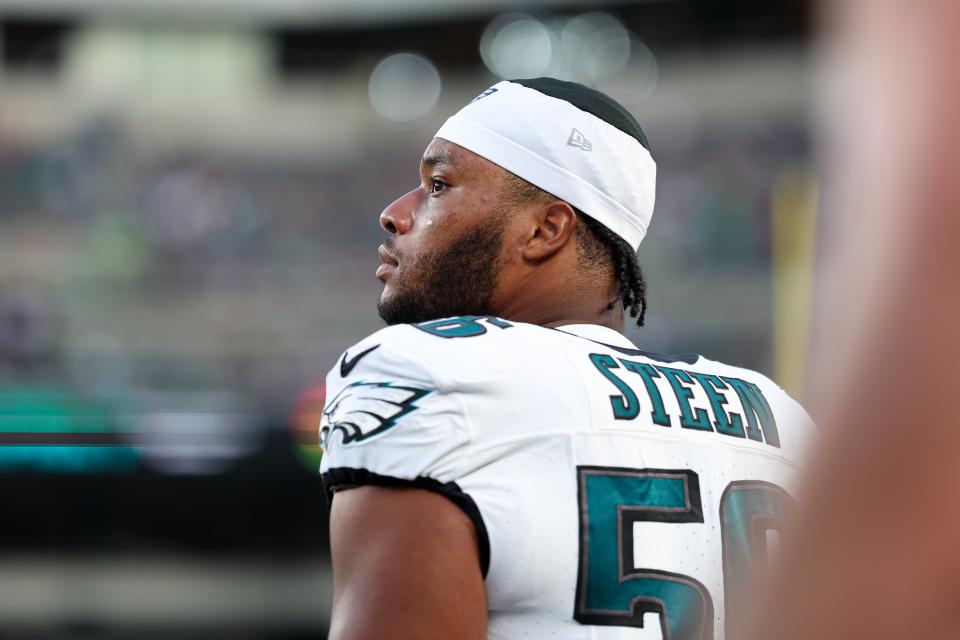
437, 185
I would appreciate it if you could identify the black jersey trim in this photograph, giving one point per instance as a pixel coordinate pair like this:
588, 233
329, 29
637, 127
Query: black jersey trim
687, 358
343, 478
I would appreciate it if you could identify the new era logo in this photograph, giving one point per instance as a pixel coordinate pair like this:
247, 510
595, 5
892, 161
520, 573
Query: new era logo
577, 139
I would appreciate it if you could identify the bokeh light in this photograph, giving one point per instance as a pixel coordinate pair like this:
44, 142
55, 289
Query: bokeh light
404, 88
305, 425
643, 69
595, 45
591, 48
517, 45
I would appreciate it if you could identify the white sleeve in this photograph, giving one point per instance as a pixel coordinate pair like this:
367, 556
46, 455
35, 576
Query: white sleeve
798, 432
388, 422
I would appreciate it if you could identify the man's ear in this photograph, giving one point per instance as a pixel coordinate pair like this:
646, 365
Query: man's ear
553, 227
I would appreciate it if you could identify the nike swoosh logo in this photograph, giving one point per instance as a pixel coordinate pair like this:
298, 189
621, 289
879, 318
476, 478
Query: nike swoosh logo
347, 364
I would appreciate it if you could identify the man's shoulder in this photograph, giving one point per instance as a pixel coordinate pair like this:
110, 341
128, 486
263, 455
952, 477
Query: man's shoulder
441, 347
725, 369
782, 403
406, 389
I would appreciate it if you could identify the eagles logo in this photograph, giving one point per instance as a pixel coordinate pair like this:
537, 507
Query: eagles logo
363, 410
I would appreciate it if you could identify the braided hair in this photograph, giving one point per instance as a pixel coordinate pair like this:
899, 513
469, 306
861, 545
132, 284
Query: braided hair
597, 247
595, 241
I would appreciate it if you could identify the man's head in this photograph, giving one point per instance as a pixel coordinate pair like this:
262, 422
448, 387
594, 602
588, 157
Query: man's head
475, 238
446, 239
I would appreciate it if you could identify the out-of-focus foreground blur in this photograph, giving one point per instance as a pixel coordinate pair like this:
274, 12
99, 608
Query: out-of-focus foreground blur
188, 227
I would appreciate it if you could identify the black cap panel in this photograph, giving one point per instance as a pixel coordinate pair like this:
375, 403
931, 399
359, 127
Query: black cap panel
592, 101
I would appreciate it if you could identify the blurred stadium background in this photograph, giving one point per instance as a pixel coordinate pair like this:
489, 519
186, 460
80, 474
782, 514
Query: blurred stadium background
189, 195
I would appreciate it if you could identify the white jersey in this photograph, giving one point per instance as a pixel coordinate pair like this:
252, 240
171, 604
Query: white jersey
617, 494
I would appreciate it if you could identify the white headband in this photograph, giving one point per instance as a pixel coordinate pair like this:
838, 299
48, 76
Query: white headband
565, 151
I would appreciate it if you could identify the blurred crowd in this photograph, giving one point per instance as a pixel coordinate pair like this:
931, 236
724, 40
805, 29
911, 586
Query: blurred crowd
198, 272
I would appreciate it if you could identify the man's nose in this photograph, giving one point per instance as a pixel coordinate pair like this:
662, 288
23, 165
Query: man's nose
397, 218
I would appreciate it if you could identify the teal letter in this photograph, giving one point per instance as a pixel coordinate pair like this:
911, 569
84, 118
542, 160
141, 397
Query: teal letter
732, 426
756, 408
625, 406
648, 373
688, 418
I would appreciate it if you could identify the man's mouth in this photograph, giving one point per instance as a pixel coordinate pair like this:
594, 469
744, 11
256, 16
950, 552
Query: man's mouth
388, 262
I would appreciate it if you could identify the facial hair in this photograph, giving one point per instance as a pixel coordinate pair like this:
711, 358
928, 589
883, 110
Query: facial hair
457, 281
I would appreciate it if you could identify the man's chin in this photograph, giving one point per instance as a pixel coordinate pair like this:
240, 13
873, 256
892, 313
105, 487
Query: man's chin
395, 308
400, 308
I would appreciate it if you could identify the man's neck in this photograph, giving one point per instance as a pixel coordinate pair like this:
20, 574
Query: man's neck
576, 312
610, 320
557, 294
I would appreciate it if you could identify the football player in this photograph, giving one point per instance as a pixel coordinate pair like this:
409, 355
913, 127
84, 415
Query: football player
503, 462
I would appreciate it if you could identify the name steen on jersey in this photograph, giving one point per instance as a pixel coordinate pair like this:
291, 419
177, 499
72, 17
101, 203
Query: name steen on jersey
734, 407
755, 420
724, 394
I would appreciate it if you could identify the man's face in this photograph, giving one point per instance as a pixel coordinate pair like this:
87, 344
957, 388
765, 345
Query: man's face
443, 256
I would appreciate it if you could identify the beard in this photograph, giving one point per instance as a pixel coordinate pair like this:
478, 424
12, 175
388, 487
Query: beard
456, 281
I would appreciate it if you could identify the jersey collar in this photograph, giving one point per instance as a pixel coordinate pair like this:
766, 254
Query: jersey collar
597, 333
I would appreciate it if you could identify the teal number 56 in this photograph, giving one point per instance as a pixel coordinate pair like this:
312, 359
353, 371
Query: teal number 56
612, 591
